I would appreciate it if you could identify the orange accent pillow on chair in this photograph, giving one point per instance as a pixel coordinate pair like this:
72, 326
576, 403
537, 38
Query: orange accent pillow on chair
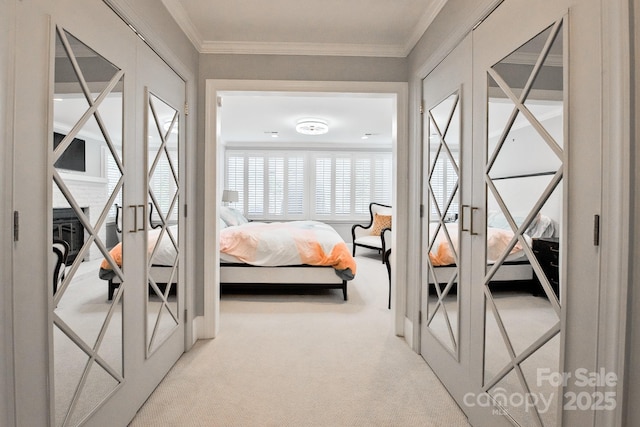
380, 222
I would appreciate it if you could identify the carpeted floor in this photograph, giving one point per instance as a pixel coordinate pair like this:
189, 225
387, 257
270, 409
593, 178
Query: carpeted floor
299, 359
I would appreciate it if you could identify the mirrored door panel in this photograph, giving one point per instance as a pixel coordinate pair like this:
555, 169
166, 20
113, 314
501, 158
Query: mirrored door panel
524, 217
88, 181
163, 124
443, 235
445, 244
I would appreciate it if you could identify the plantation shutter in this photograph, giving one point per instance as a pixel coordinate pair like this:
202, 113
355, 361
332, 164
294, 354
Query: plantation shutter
295, 186
308, 185
275, 186
362, 186
235, 180
255, 186
323, 186
382, 181
342, 186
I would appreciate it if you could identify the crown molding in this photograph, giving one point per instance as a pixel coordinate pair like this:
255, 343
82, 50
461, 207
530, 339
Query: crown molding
314, 49
424, 22
181, 17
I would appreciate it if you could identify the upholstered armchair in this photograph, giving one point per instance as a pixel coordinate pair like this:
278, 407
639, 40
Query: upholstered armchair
376, 234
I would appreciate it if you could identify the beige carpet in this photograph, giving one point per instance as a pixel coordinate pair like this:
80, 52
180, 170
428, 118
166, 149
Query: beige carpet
304, 359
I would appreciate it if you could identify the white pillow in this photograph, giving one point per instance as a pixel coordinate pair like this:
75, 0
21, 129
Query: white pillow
231, 216
496, 219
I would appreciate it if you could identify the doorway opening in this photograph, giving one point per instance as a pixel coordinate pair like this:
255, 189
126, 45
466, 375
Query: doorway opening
217, 91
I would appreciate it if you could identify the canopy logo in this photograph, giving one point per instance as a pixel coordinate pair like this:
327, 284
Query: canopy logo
552, 383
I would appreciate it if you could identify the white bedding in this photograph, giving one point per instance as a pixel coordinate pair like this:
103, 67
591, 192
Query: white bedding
166, 252
497, 242
286, 244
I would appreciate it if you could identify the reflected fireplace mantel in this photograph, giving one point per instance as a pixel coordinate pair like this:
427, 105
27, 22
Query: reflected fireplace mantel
67, 227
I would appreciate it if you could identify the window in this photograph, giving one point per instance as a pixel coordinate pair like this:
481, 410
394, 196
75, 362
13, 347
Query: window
308, 185
270, 185
346, 183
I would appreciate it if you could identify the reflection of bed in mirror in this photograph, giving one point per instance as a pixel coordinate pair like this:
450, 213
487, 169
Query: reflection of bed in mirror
293, 253
516, 267
162, 270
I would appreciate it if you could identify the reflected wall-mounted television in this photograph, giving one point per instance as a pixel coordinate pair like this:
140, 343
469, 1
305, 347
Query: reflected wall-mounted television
74, 156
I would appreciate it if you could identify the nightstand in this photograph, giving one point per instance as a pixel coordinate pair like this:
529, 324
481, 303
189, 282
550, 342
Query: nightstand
547, 252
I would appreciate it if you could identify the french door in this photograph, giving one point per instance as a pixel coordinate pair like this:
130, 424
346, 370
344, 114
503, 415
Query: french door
447, 158
114, 180
500, 322
163, 95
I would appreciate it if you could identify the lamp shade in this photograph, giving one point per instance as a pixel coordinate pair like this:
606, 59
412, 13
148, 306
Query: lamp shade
229, 196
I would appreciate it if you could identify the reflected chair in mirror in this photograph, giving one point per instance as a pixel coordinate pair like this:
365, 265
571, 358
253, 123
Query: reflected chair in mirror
152, 223
373, 235
118, 221
59, 262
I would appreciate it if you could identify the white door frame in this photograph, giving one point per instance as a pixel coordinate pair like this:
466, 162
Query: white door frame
213, 182
617, 242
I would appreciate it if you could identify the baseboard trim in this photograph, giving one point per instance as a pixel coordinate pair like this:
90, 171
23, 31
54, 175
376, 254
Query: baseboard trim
199, 330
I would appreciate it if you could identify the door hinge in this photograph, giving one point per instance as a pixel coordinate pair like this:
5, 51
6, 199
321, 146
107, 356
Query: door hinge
596, 230
420, 317
185, 211
185, 315
421, 211
186, 109
422, 107
16, 226
219, 101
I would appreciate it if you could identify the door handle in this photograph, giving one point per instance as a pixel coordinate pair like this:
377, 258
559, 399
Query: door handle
144, 217
473, 233
135, 228
135, 218
462, 218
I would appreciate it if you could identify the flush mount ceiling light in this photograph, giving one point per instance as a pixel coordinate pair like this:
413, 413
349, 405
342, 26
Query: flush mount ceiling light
312, 127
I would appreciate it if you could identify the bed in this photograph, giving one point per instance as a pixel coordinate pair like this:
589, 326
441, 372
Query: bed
515, 268
301, 253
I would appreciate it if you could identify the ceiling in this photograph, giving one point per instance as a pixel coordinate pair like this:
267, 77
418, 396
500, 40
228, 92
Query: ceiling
250, 119
305, 27
379, 28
